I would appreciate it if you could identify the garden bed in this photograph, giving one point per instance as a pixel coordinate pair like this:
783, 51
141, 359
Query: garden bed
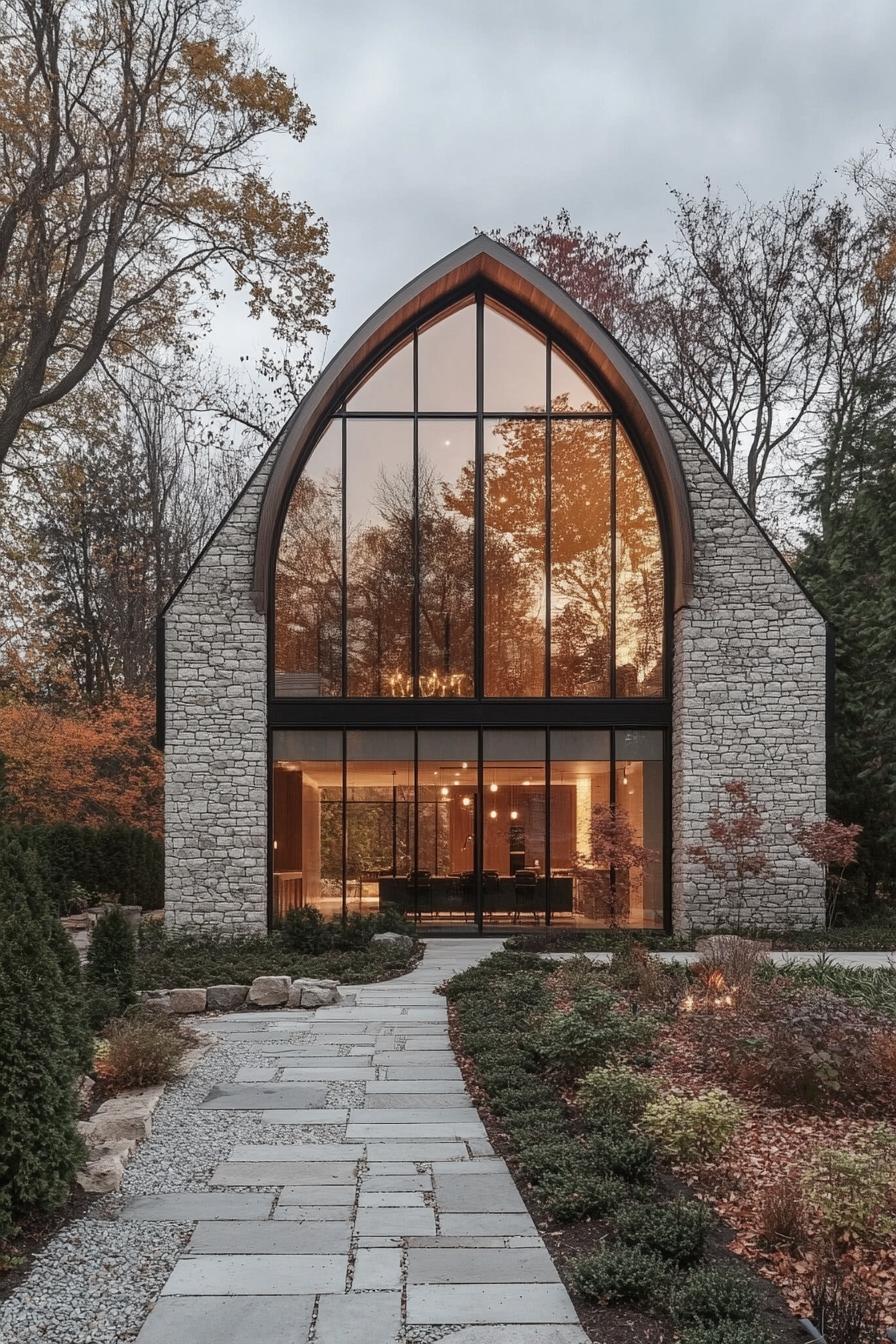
849, 938
171, 961
595, 1175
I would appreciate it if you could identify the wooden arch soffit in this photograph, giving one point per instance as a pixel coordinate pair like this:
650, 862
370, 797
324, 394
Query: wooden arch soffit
486, 262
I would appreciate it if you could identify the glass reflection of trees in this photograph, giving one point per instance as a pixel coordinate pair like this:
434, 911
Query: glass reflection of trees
549, 546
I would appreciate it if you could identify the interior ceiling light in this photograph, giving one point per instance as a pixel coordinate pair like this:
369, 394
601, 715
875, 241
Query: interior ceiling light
493, 814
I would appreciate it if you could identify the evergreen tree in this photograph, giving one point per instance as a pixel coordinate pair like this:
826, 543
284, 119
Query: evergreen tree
40, 1148
111, 966
849, 566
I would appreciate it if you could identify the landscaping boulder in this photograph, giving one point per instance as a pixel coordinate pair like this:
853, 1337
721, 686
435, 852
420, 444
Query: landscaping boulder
307, 993
224, 998
397, 940
269, 991
156, 1000
102, 1175
122, 1118
187, 1000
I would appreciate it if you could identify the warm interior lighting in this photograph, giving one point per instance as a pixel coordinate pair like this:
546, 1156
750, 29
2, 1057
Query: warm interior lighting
493, 814
465, 802
514, 814
444, 791
493, 788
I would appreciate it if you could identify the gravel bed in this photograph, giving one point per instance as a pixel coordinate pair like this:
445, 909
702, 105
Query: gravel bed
93, 1284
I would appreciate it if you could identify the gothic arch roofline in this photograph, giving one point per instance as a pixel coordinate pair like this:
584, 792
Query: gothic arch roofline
482, 260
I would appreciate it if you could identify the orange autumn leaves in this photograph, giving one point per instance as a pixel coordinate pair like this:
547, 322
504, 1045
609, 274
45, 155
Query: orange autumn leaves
88, 766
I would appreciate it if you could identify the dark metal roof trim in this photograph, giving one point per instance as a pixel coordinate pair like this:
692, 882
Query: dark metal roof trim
482, 260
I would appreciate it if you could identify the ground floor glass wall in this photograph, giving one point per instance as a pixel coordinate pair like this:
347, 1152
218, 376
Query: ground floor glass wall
513, 826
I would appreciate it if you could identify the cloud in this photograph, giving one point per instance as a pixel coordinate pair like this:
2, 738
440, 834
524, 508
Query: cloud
433, 118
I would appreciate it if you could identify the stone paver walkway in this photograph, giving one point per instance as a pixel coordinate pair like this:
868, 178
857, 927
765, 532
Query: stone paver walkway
408, 1230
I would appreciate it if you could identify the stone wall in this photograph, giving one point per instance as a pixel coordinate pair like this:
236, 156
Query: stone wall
749, 698
749, 702
216, 735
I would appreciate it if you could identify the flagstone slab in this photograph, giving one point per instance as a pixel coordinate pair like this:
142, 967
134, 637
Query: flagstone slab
453, 1265
413, 1101
412, 1086
359, 1318
269, 1238
316, 1194
520, 1334
336, 1075
256, 1275
414, 1130
479, 1193
418, 1180
486, 1224
425, 1072
284, 1173
396, 1222
296, 1152
315, 1213
189, 1206
376, 1269
262, 1097
480, 1303
419, 1150
215, 1320
391, 1199
332, 1116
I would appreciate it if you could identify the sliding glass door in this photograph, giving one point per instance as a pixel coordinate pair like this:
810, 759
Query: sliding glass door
463, 829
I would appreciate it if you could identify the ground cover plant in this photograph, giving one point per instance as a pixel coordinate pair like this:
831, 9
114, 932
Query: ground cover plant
869, 936
308, 947
567, 1082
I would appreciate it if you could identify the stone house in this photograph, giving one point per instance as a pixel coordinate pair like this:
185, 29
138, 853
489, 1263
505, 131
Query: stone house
483, 638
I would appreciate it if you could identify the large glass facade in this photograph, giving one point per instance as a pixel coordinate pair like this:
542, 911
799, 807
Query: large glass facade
472, 524
454, 826
474, 469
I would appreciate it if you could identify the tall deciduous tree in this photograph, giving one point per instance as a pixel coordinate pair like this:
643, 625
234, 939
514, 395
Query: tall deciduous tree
130, 186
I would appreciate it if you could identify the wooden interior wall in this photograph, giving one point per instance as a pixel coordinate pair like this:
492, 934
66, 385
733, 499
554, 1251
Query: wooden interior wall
287, 819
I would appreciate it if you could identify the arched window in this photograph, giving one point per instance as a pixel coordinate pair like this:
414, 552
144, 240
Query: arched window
472, 521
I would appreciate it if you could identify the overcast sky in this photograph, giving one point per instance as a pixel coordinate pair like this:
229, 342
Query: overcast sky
435, 117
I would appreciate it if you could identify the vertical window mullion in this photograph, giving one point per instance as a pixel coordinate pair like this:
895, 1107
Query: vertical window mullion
547, 523
612, 641
344, 539
344, 825
479, 509
415, 545
548, 885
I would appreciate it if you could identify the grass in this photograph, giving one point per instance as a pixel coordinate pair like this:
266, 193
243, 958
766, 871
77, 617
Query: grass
872, 990
171, 961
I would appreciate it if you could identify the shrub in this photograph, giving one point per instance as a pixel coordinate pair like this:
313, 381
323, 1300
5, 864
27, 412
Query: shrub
619, 1274
782, 1214
811, 1047
851, 1189
630, 1156
675, 1231
40, 1148
111, 963
593, 1032
572, 1193
615, 1091
715, 1295
692, 1129
121, 861
735, 1332
632, 967
140, 1050
843, 1310
305, 930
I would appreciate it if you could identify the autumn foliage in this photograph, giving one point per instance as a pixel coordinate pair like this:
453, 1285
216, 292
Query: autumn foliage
88, 766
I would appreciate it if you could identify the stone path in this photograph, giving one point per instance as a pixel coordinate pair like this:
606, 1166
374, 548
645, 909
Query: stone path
405, 1230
